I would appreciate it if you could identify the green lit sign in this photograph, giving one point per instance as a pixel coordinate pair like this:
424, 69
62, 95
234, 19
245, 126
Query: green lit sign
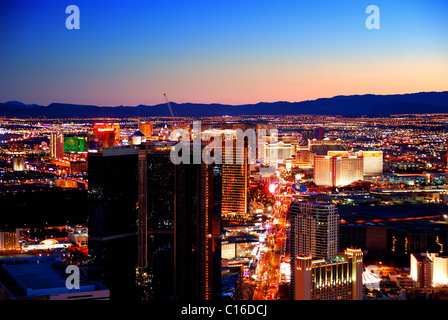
75, 144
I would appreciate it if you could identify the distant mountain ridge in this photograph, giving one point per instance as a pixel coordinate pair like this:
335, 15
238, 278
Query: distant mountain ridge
351, 105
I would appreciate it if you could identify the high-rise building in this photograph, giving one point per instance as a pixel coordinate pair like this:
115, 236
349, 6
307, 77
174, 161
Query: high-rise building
10, 239
234, 190
348, 169
324, 171
372, 162
235, 182
156, 218
197, 233
179, 225
145, 128
337, 170
112, 222
314, 231
338, 278
429, 270
234, 171
56, 145
103, 135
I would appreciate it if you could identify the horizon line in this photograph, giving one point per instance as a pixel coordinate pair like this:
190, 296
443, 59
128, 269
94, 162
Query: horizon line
219, 103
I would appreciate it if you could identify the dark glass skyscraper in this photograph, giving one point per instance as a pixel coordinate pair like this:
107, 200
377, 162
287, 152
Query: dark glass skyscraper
179, 225
113, 220
156, 219
197, 232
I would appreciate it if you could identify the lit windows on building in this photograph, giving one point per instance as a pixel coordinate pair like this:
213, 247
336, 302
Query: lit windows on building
429, 270
337, 170
339, 278
314, 232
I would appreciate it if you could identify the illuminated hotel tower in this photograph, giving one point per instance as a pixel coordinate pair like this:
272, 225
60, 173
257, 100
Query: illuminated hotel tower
429, 270
339, 278
314, 229
314, 232
234, 166
57, 145
146, 128
337, 170
235, 182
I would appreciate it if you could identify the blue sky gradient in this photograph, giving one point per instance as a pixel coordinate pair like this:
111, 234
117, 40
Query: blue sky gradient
130, 52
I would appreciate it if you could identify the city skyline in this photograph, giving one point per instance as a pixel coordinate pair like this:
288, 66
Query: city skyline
227, 52
239, 152
120, 208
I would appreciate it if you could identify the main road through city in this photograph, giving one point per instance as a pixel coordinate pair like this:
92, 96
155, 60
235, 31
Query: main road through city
265, 284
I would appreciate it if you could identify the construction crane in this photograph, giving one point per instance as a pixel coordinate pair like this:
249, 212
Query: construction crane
175, 124
169, 105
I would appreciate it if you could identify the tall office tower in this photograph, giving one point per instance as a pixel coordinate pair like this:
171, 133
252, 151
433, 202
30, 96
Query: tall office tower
57, 145
334, 170
197, 233
314, 231
112, 222
145, 128
156, 218
338, 278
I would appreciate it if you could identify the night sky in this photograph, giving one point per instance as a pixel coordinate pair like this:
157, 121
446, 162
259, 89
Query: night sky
223, 51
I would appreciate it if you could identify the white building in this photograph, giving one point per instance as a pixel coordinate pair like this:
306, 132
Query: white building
334, 169
372, 162
314, 232
429, 270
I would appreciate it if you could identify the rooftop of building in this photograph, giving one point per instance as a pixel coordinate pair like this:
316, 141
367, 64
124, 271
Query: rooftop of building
39, 276
313, 203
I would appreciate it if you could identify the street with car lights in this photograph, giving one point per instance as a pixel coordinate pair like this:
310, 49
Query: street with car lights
266, 277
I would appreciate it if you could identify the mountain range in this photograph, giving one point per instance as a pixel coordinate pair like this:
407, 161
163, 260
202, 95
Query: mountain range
349, 106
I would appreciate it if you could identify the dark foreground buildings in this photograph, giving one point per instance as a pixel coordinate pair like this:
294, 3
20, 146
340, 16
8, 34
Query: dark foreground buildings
155, 224
113, 220
156, 220
197, 233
